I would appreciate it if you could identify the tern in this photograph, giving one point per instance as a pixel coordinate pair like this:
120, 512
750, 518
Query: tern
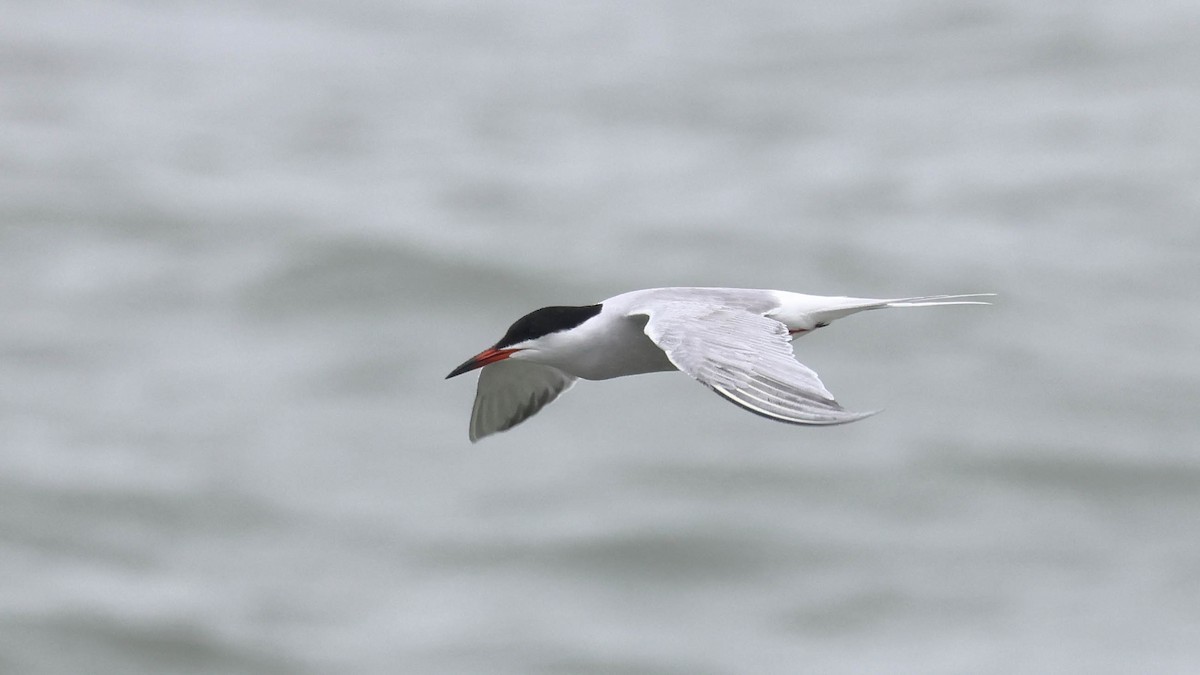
736, 342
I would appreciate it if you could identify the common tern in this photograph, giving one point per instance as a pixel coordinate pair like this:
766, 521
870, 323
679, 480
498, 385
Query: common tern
734, 341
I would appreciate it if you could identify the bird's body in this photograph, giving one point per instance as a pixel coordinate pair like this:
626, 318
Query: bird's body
734, 341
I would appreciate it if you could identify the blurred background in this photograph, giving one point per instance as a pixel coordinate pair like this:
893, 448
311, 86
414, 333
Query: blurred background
241, 244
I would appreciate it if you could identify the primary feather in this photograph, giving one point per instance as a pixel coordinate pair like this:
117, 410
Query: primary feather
510, 391
746, 358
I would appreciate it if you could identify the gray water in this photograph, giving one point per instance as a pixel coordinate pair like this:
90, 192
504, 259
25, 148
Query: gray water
242, 243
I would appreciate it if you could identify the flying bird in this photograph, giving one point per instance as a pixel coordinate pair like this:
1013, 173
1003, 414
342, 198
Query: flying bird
736, 342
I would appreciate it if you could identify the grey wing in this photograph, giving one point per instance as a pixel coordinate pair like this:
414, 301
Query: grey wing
746, 358
509, 392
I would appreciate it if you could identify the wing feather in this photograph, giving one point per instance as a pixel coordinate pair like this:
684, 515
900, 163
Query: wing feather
745, 357
510, 392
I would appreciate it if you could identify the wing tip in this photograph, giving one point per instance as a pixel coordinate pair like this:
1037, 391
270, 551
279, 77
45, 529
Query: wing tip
846, 417
829, 415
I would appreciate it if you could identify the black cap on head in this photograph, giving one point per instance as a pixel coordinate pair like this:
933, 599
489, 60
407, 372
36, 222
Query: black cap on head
544, 321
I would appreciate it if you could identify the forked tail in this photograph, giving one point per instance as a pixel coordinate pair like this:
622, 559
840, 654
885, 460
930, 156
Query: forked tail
930, 300
802, 313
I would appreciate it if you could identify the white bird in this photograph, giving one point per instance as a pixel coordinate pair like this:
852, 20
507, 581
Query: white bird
734, 341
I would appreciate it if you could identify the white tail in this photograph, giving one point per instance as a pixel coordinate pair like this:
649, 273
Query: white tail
931, 300
802, 313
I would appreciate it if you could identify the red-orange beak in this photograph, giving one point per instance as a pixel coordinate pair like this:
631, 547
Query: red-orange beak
482, 359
